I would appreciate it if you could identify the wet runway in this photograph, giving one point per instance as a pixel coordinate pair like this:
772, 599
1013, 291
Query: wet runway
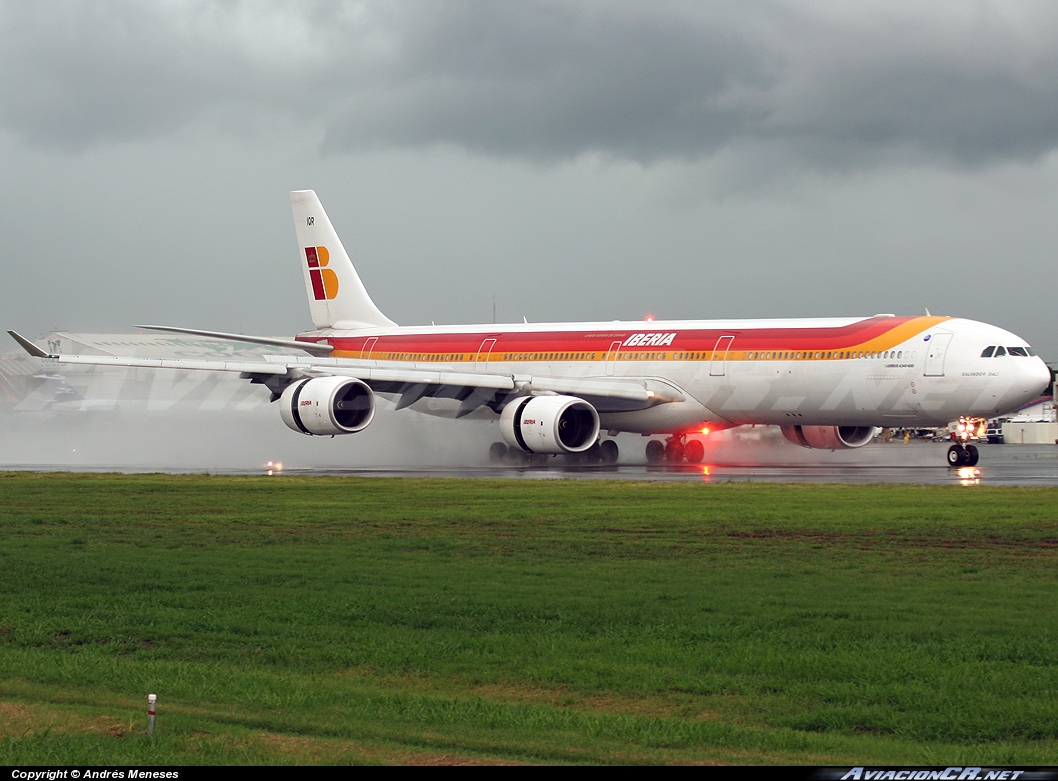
916, 464
999, 465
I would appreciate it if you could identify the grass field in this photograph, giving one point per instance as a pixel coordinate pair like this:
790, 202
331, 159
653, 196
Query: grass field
301, 620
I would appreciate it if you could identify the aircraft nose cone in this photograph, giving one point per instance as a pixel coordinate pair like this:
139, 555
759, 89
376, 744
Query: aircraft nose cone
1039, 376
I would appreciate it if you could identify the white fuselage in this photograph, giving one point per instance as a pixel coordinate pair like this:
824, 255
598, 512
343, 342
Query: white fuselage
881, 371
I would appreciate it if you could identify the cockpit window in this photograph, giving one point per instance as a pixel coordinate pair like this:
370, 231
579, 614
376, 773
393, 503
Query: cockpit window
1017, 351
988, 351
1031, 351
1000, 351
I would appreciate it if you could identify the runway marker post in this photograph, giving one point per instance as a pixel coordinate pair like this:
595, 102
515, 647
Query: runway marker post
151, 700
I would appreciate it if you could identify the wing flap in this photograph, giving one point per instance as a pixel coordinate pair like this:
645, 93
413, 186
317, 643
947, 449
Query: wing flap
646, 391
418, 377
167, 363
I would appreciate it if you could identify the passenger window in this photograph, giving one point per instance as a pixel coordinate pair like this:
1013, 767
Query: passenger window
1000, 351
987, 353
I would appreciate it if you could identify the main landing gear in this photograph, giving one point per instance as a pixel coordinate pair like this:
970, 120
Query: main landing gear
500, 453
963, 455
602, 452
675, 449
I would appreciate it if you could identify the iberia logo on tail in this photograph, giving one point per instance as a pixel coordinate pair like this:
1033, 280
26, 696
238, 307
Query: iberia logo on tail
324, 280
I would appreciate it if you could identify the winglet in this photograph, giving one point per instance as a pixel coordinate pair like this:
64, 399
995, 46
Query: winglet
28, 346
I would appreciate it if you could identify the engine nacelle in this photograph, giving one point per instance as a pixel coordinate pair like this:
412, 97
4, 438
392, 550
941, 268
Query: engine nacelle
550, 424
326, 406
830, 437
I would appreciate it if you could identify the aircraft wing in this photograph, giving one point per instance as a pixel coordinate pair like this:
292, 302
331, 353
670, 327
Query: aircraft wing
410, 384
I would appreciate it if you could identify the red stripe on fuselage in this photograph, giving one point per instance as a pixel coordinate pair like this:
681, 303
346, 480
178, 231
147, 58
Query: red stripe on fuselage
845, 337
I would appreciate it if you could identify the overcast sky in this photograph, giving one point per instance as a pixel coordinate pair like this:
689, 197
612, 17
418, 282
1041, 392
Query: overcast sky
576, 160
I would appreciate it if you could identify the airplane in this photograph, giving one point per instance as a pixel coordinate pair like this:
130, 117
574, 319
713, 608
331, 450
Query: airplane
553, 389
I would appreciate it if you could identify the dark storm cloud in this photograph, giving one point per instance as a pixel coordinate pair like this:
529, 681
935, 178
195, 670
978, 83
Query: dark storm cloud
556, 80
834, 84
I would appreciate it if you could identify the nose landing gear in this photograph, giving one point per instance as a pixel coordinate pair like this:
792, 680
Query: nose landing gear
963, 455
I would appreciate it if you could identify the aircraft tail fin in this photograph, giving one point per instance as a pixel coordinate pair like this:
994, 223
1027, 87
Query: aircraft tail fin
337, 297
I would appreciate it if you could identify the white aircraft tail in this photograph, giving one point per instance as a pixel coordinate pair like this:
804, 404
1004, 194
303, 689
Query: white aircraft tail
337, 297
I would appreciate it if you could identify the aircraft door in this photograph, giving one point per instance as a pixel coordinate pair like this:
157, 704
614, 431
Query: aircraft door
369, 347
611, 358
719, 360
935, 352
481, 360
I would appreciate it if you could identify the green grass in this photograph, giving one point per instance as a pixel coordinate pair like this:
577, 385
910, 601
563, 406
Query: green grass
383, 620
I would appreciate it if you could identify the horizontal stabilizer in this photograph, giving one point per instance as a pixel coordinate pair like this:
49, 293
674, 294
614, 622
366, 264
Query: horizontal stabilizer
309, 347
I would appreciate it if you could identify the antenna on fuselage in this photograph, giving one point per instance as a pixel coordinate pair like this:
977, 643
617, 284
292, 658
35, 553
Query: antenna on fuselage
927, 312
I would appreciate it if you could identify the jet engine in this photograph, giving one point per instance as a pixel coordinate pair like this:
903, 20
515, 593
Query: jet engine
830, 437
550, 424
326, 406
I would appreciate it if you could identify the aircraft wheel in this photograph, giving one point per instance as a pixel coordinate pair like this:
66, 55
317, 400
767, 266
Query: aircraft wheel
655, 452
518, 456
609, 451
956, 455
694, 451
673, 451
593, 455
972, 455
497, 452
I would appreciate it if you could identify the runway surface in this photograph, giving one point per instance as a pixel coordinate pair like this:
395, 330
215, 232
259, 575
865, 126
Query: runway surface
999, 465
917, 464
